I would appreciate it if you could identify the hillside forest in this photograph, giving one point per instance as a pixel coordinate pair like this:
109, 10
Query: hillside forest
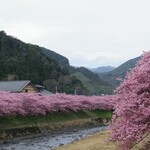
25, 61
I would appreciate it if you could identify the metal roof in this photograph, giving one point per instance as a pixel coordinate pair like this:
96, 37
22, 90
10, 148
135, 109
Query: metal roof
39, 86
13, 86
45, 92
42, 89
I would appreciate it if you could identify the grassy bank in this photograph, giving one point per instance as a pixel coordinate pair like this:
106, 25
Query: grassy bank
21, 121
17, 126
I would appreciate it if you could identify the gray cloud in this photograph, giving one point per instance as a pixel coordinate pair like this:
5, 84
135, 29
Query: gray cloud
88, 32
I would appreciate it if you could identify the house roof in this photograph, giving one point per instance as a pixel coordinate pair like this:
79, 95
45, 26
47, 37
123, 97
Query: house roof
42, 89
39, 86
13, 86
45, 92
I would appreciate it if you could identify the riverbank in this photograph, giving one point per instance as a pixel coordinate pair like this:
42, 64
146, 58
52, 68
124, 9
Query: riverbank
99, 141
50, 141
18, 126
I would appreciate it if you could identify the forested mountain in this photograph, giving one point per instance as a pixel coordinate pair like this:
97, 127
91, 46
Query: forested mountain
102, 69
119, 73
21, 61
63, 61
92, 82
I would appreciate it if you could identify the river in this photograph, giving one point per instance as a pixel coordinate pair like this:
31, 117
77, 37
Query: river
49, 141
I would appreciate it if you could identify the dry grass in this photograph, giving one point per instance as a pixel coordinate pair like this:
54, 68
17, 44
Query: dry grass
144, 144
54, 126
97, 141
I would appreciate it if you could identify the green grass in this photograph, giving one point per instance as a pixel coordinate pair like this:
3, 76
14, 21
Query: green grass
21, 121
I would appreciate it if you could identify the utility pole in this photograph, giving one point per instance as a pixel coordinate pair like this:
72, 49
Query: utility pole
56, 89
75, 91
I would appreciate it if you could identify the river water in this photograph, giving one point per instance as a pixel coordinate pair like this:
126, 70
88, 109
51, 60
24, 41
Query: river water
49, 141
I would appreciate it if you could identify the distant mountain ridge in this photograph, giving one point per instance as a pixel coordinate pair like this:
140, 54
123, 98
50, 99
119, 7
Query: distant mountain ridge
119, 72
102, 69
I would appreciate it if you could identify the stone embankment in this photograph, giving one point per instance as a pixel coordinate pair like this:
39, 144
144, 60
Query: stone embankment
8, 134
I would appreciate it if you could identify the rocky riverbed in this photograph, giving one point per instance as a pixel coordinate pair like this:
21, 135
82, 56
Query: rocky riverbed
49, 141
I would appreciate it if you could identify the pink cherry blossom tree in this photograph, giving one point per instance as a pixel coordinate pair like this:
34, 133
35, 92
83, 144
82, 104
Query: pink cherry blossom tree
35, 104
131, 120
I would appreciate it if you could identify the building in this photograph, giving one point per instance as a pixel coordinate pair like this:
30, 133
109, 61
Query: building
24, 86
42, 90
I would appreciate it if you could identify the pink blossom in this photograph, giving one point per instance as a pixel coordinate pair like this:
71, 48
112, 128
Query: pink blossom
35, 104
132, 108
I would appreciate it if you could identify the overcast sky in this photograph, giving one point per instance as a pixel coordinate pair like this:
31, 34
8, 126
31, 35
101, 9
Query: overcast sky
89, 33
